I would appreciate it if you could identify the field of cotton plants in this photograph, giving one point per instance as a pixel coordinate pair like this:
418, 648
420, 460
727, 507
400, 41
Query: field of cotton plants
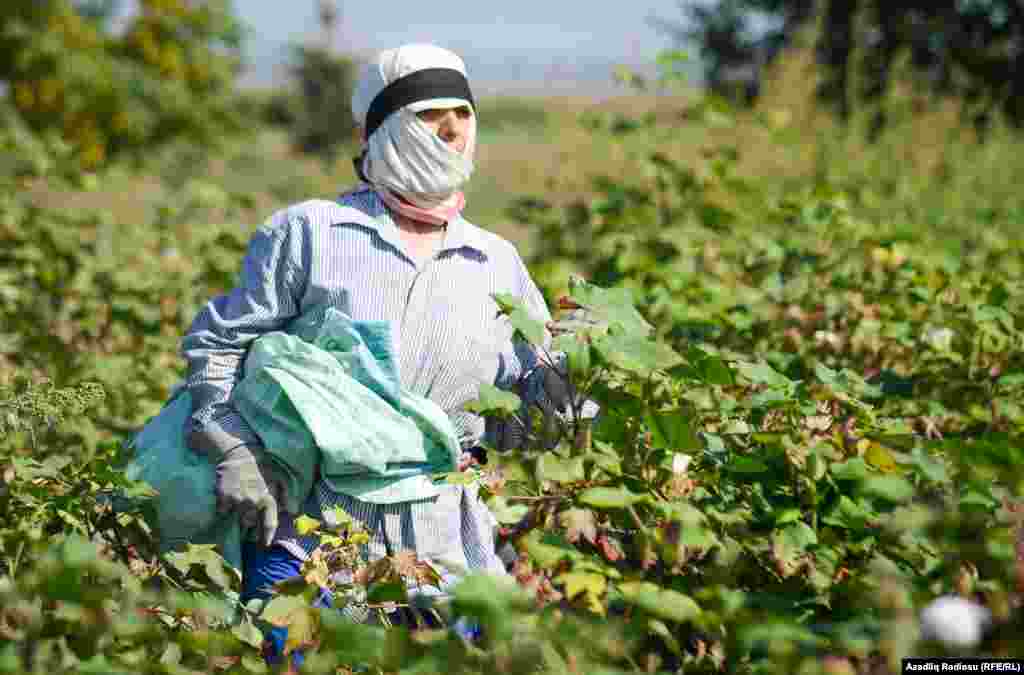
809, 357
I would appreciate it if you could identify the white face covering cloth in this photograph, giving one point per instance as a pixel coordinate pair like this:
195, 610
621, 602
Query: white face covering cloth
404, 156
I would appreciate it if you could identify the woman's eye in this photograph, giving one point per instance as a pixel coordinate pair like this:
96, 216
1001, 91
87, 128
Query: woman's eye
434, 114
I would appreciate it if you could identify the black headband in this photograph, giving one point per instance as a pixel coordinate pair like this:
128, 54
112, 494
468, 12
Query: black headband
419, 86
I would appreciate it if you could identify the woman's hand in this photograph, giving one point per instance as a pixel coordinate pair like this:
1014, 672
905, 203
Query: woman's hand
241, 488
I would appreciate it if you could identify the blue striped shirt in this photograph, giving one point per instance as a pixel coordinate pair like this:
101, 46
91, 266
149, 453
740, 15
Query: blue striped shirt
449, 334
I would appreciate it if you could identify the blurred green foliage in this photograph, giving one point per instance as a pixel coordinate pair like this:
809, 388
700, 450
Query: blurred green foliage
170, 73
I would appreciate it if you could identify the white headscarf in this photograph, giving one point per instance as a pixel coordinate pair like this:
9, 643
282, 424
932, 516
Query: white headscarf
403, 155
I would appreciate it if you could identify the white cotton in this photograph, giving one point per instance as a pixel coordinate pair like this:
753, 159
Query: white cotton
955, 622
406, 157
681, 462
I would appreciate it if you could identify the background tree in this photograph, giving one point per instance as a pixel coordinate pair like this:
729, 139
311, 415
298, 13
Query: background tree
730, 49
170, 74
967, 50
317, 106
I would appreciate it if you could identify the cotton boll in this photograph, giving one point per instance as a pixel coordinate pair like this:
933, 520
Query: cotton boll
680, 462
939, 339
955, 622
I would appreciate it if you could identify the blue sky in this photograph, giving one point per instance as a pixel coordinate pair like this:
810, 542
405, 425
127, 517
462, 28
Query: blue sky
526, 45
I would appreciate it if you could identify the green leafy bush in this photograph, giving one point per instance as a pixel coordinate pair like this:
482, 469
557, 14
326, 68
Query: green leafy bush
169, 75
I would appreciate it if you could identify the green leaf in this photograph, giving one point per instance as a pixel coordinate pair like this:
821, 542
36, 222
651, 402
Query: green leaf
248, 633
583, 582
506, 513
658, 627
846, 382
252, 664
711, 369
1011, 380
558, 469
660, 602
507, 302
31, 469
914, 518
974, 498
715, 447
525, 325
577, 354
853, 469
793, 540
762, 373
768, 398
609, 498
848, 514
787, 516
716, 371
612, 305
745, 464
305, 525
387, 591
777, 635
699, 538
610, 463
338, 516
457, 477
890, 488
172, 654
927, 466
998, 295
881, 458
302, 629
280, 608
673, 429
206, 557
635, 354
494, 401
549, 550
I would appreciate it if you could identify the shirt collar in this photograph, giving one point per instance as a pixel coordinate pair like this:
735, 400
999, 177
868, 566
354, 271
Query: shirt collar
460, 232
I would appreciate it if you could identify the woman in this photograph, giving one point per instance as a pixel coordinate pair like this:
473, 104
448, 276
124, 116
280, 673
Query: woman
412, 260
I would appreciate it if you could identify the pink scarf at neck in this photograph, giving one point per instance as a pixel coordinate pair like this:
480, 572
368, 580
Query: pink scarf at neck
438, 215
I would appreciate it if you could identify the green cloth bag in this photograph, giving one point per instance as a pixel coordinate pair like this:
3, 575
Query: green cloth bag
323, 395
186, 506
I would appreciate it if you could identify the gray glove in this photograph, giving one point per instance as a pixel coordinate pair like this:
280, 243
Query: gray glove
548, 390
543, 391
242, 488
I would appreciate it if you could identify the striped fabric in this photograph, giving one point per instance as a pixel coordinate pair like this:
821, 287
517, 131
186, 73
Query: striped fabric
449, 335
453, 528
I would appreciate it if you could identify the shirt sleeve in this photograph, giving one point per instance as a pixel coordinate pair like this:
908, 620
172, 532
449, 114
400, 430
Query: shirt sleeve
267, 296
520, 359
